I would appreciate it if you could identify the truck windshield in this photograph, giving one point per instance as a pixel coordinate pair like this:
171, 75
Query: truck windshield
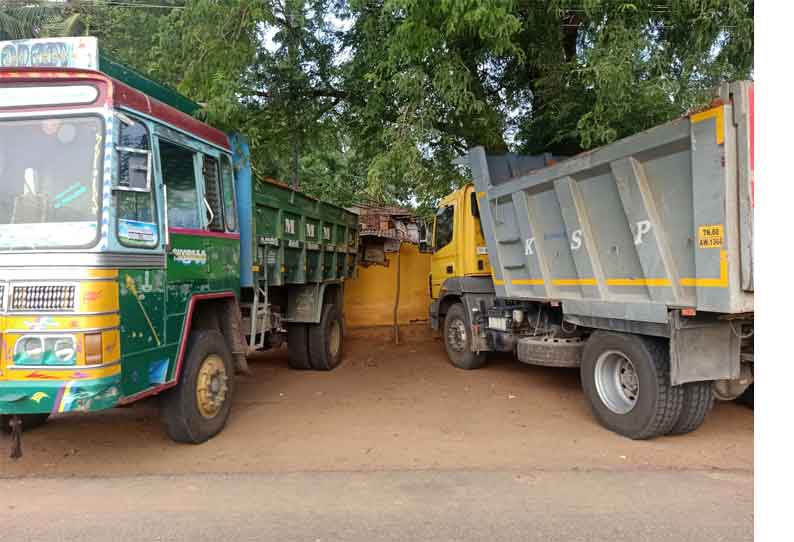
50, 172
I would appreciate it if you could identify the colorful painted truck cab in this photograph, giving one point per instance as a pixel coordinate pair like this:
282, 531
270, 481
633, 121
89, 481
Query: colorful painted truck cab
137, 254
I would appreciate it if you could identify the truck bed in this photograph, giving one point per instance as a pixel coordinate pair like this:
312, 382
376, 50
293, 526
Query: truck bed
288, 237
659, 220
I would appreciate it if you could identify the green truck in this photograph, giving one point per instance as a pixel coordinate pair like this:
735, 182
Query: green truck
138, 256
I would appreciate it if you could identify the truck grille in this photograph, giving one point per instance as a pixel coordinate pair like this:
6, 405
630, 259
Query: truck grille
42, 298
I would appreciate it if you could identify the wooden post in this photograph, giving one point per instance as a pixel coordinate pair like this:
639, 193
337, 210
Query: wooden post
397, 298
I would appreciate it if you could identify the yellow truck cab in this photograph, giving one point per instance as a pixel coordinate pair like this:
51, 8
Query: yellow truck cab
460, 249
459, 266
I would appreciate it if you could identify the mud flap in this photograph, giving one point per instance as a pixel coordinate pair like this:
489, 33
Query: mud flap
232, 328
474, 307
702, 349
16, 437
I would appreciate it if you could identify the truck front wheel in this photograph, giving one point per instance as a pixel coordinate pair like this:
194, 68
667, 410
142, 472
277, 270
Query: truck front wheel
197, 408
626, 378
457, 339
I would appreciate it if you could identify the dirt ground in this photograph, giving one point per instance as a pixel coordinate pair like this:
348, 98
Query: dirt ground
388, 407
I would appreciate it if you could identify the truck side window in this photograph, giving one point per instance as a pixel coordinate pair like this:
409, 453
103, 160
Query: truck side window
179, 176
212, 193
444, 222
136, 215
229, 205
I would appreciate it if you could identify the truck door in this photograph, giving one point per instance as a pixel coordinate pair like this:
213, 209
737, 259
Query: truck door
446, 252
475, 257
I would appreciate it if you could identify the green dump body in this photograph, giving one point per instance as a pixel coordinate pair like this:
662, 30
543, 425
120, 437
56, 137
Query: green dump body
300, 239
288, 237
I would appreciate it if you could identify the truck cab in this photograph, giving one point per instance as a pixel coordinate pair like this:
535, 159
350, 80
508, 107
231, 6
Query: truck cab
119, 243
460, 276
138, 256
460, 249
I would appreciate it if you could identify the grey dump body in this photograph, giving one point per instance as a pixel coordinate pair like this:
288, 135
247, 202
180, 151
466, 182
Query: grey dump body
659, 220
624, 235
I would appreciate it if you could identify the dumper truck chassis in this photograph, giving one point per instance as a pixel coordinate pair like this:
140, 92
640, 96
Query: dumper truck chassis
633, 262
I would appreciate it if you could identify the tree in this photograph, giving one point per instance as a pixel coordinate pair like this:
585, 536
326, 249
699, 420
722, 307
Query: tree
375, 99
21, 21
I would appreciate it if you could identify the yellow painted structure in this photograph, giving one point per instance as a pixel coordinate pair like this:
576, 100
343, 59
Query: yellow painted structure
369, 298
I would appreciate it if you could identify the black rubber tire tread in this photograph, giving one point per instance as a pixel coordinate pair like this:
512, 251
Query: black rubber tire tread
698, 398
656, 411
748, 397
467, 360
298, 347
29, 421
319, 353
179, 405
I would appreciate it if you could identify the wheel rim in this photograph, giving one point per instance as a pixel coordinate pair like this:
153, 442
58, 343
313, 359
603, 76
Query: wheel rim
334, 339
616, 381
456, 335
211, 386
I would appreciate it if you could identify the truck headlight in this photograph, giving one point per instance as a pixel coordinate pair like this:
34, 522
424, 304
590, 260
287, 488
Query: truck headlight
30, 350
45, 350
63, 349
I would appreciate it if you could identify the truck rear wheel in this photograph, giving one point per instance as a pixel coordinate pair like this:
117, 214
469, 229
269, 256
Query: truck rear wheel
197, 408
626, 378
698, 398
298, 347
325, 340
457, 340
29, 421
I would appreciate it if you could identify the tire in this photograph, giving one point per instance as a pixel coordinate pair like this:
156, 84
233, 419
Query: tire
29, 421
325, 340
640, 402
457, 340
298, 346
550, 351
698, 398
748, 397
208, 365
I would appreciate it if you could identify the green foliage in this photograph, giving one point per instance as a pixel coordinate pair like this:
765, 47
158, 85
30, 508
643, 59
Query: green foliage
19, 21
637, 64
375, 99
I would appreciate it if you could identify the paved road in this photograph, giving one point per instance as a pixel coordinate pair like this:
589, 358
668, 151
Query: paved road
428, 506
394, 445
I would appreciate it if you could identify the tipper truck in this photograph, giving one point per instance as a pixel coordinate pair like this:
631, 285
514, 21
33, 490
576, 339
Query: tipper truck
138, 256
632, 262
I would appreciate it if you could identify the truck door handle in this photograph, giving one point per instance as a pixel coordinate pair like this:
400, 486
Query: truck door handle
449, 269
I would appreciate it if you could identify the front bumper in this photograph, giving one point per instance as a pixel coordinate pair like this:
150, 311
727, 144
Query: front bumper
33, 397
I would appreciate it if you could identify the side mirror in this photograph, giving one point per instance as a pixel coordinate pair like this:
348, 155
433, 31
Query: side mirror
134, 156
475, 205
135, 170
425, 239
